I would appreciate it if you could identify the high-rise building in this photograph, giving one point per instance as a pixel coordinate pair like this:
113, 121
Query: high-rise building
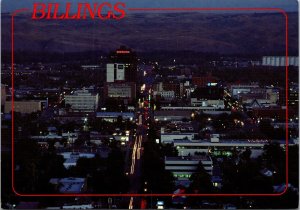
122, 66
121, 74
115, 72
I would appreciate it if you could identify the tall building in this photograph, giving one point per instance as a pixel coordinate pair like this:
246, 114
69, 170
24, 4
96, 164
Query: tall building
121, 74
122, 66
115, 72
82, 101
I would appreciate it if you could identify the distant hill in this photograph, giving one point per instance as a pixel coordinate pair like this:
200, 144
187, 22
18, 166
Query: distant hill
261, 33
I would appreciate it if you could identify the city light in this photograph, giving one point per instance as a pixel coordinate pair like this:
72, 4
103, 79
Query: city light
116, 122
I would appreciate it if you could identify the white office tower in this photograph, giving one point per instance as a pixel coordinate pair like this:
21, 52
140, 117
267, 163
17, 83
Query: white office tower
115, 72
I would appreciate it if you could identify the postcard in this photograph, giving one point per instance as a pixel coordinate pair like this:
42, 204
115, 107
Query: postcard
148, 104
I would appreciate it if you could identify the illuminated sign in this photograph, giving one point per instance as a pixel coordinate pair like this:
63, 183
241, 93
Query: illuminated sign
123, 51
212, 84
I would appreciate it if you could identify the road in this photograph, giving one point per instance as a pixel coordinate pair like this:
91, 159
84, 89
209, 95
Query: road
143, 115
135, 167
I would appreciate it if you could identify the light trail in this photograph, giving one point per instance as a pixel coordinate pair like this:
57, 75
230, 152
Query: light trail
131, 203
134, 151
138, 155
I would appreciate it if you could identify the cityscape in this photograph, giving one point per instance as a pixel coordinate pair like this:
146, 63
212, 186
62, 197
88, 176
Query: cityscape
125, 128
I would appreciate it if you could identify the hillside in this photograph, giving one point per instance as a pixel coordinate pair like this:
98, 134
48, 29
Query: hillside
223, 33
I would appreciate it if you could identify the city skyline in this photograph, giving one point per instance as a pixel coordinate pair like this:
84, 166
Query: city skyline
150, 109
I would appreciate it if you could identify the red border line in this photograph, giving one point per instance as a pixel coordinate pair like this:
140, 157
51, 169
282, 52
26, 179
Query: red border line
209, 9
12, 95
144, 195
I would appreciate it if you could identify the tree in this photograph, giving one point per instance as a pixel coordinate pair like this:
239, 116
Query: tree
266, 128
113, 104
202, 119
69, 126
168, 150
115, 172
119, 122
201, 181
274, 159
221, 122
294, 165
159, 180
246, 154
26, 161
34, 168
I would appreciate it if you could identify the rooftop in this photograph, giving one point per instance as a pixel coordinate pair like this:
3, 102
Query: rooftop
231, 141
172, 113
189, 158
115, 114
72, 158
67, 155
69, 185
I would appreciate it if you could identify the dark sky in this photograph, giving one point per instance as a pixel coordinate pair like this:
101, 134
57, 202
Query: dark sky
288, 5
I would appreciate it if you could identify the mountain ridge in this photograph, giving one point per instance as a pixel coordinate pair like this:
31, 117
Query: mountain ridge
262, 33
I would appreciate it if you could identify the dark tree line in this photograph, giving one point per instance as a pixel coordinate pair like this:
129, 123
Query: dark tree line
153, 168
34, 168
242, 174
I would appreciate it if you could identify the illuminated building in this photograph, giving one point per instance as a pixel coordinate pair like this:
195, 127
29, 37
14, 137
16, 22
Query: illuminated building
82, 101
202, 81
123, 91
280, 60
25, 107
122, 66
121, 73
183, 167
